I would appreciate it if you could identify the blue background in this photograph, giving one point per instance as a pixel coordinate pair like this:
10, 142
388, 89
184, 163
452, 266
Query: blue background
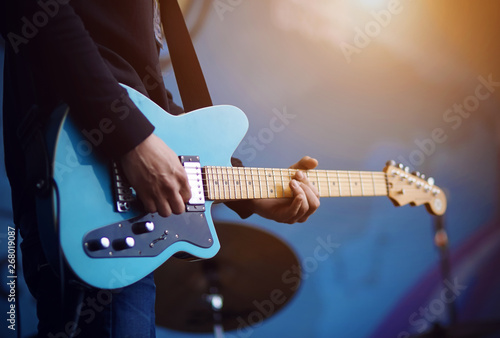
354, 112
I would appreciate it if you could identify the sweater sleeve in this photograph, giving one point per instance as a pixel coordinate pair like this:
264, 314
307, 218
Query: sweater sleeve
63, 54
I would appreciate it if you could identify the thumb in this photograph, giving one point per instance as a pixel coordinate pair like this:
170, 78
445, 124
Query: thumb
305, 162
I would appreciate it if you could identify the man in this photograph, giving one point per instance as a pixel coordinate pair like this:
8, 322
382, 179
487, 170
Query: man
78, 52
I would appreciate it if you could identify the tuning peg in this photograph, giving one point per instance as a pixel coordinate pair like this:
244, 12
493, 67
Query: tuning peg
416, 173
401, 166
422, 176
407, 169
430, 180
391, 163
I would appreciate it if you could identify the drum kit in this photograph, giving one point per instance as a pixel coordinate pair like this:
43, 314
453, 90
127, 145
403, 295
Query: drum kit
241, 286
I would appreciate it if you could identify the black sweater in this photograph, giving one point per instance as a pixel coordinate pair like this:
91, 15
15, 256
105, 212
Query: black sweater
77, 52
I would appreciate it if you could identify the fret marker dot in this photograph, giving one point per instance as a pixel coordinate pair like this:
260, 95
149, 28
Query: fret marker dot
249, 182
271, 190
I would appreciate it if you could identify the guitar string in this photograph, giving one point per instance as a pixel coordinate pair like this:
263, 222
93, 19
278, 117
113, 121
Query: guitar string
255, 173
262, 173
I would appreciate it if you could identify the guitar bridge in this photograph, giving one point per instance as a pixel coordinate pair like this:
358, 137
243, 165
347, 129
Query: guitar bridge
123, 191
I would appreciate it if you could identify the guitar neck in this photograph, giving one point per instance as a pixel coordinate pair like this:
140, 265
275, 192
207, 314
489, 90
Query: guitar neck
236, 183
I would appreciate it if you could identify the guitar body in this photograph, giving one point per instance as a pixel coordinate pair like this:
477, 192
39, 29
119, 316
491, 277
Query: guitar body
82, 197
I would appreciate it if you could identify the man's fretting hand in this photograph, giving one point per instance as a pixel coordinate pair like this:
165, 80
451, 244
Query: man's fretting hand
303, 204
158, 177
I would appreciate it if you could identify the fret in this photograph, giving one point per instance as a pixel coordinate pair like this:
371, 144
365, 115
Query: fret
381, 190
278, 183
272, 188
241, 184
361, 182
373, 182
368, 184
227, 186
354, 184
260, 184
220, 184
223, 183
244, 185
282, 187
287, 178
214, 183
266, 187
338, 182
269, 189
325, 184
318, 184
350, 184
233, 182
215, 188
206, 183
252, 184
328, 183
335, 185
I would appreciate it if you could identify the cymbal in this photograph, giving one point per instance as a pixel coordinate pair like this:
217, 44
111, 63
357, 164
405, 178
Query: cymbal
255, 273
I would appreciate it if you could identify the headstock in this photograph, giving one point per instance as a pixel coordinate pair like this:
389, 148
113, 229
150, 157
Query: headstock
405, 188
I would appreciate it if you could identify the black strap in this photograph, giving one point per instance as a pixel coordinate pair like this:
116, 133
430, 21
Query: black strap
190, 79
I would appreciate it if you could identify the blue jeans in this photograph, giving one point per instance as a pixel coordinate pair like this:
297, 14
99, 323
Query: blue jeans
125, 312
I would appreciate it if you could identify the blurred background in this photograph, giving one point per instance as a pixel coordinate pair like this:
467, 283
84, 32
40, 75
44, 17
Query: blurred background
353, 84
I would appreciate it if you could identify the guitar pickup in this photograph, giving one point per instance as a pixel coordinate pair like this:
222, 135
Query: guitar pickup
195, 179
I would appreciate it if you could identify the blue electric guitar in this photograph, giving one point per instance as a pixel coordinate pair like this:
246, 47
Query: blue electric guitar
92, 218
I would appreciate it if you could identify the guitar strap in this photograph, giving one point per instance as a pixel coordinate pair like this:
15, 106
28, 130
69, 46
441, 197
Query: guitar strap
190, 79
